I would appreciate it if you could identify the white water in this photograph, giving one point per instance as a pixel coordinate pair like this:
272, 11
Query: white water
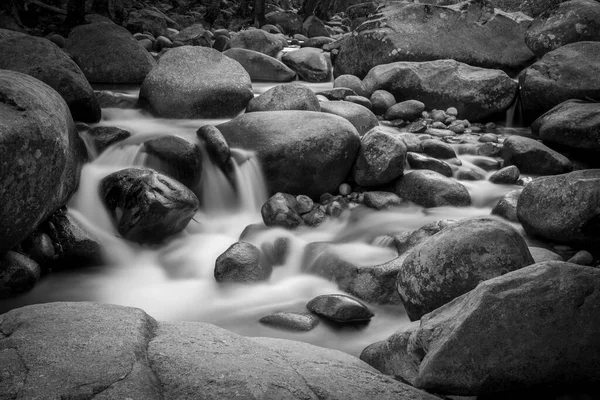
175, 282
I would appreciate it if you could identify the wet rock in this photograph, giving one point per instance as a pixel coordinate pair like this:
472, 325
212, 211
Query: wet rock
569, 72
38, 246
351, 82
533, 157
339, 308
540, 254
408, 32
221, 43
194, 35
147, 20
241, 263
45, 61
196, 82
381, 200
572, 21
291, 96
507, 175
302, 152
311, 64
360, 100
40, 155
455, 260
281, 210
107, 53
147, 207
381, 100
477, 93
260, 66
438, 149
582, 257
431, 189
108, 99
314, 217
216, 145
175, 157
419, 161
304, 204
407, 110
410, 241
380, 159
291, 321
507, 206
257, 40
563, 208
104, 136
361, 117
18, 274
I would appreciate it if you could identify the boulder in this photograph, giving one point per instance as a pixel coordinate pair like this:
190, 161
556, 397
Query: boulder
563, 208
311, 65
380, 159
196, 82
291, 96
257, 40
45, 61
570, 22
507, 206
241, 263
351, 82
281, 210
215, 144
41, 155
147, 207
194, 35
102, 137
473, 33
176, 157
420, 161
477, 93
18, 274
533, 157
289, 21
361, 117
291, 321
431, 189
547, 337
108, 53
438, 149
569, 72
339, 308
507, 175
455, 260
261, 67
147, 20
302, 152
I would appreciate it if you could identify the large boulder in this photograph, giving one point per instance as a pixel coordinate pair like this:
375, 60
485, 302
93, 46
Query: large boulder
196, 82
563, 208
302, 152
533, 157
311, 64
477, 93
380, 159
261, 67
455, 260
431, 189
257, 40
529, 329
471, 32
147, 207
572, 21
290, 96
86, 350
45, 61
40, 155
569, 72
108, 53
360, 116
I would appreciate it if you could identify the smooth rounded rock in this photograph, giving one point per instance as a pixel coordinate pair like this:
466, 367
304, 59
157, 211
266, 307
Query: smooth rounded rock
18, 274
351, 82
291, 96
241, 263
216, 145
310, 64
382, 100
431, 189
507, 175
419, 161
292, 321
257, 40
380, 158
339, 308
407, 110
281, 210
533, 157
260, 66
176, 157
361, 117
507, 206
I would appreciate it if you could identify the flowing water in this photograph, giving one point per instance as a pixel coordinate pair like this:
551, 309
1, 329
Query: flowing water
175, 281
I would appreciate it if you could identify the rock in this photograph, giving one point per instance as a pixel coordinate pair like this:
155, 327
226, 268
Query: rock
380, 158
533, 157
431, 189
302, 152
304, 204
507, 175
412, 239
582, 257
107, 53
289, 21
407, 110
281, 210
196, 82
41, 155
241, 263
147, 207
381, 100
257, 40
409, 32
45, 61
381, 200
339, 308
339, 93
194, 35
291, 96
455, 260
292, 321
570, 22
163, 43
215, 144
573, 123
175, 157
18, 274
102, 137
38, 246
419, 161
569, 72
546, 306
221, 43
315, 217
310, 64
351, 82
361, 117
477, 93
260, 66
108, 99
507, 206
540, 254
438, 149
313, 26
318, 42
147, 20
563, 208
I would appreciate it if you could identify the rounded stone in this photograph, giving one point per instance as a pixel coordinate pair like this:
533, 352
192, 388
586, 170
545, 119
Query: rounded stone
340, 308
241, 263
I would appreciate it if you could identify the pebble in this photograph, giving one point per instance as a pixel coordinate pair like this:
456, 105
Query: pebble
345, 189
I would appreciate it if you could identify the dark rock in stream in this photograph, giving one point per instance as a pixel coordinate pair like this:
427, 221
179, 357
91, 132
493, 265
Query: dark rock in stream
292, 321
507, 206
103, 136
339, 308
507, 175
175, 157
431, 189
533, 157
216, 145
419, 161
241, 263
147, 207
380, 158
18, 274
281, 210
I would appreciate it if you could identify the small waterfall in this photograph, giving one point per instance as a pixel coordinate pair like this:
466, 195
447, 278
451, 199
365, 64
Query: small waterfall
249, 179
514, 114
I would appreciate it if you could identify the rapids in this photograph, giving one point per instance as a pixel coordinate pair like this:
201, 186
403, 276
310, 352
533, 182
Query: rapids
175, 281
